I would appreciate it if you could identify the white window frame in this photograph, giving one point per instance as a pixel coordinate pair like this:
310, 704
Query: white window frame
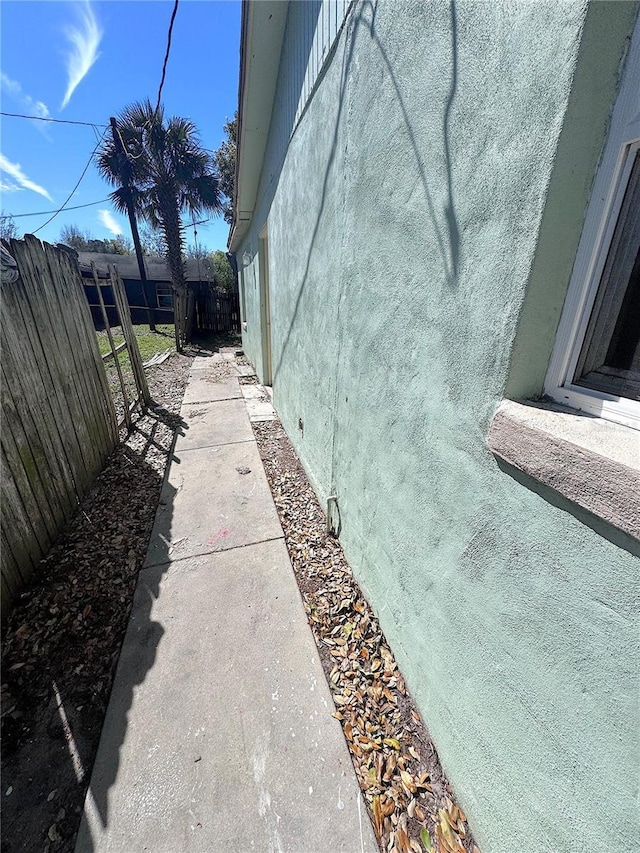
600, 221
163, 290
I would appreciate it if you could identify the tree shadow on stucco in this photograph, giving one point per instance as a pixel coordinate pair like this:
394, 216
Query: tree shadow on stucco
450, 257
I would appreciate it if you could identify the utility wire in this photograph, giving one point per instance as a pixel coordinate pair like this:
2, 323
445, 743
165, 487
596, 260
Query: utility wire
68, 198
166, 56
200, 222
54, 120
47, 212
195, 240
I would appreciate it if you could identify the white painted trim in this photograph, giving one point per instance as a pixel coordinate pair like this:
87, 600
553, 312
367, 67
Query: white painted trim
602, 212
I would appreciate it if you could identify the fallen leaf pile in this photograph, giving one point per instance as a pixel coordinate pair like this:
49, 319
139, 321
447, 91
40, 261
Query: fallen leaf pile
411, 805
63, 638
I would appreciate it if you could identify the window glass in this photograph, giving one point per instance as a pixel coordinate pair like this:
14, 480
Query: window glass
164, 296
610, 356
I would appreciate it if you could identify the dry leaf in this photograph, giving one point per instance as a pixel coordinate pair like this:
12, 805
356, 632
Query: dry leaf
407, 782
403, 841
377, 816
388, 808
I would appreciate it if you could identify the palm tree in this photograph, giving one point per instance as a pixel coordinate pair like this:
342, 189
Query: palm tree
161, 167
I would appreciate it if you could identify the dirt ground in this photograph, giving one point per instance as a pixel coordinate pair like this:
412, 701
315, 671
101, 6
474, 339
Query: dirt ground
62, 642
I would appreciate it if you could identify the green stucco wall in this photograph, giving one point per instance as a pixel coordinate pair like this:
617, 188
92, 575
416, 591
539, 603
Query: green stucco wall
404, 229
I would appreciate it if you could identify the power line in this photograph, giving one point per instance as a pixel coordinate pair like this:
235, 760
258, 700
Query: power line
54, 120
200, 222
84, 171
47, 212
166, 56
195, 240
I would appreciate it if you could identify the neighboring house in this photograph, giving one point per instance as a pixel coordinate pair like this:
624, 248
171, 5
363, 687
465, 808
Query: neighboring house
215, 309
436, 217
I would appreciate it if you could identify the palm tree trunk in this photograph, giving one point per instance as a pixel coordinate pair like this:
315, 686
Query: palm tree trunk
172, 228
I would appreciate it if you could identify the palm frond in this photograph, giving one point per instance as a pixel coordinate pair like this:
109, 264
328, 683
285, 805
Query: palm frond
165, 170
119, 199
199, 193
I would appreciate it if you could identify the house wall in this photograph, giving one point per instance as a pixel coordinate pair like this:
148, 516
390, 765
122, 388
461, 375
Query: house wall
419, 253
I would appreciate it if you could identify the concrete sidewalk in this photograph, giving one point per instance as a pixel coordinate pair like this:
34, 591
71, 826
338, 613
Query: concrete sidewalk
219, 735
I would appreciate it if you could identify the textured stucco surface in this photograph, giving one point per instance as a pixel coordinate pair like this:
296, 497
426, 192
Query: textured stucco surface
404, 226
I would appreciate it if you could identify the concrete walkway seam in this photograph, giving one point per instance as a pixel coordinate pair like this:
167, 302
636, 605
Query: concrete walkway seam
209, 553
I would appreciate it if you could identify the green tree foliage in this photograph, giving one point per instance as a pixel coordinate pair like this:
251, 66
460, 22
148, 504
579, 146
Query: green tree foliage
152, 241
223, 271
214, 266
196, 252
167, 173
83, 241
225, 161
8, 227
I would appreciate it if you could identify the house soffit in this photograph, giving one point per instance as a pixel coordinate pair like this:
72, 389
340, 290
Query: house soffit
263, 28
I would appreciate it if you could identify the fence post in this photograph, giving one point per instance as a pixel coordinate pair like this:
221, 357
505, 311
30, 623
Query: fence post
105, 317
120, 298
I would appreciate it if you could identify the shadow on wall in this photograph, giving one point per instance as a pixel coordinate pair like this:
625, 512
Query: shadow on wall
443, 225
602, 528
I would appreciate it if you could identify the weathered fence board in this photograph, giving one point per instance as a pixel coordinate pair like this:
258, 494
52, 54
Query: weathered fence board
86, 354
54, 358
27, 464
120, 298
58, 417
26, 374
130, 344
217, 311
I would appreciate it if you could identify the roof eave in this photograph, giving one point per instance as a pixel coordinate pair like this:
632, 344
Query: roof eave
263, 25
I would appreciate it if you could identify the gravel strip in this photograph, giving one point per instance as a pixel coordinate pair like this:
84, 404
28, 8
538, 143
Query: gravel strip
63, 639
411, 804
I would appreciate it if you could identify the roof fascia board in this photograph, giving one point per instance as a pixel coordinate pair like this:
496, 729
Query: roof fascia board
263, 25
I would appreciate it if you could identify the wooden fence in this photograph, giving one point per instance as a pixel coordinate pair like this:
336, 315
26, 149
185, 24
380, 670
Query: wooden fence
217, 311
58, 418
130, 344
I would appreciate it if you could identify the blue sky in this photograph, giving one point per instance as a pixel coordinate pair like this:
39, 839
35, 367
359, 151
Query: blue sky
84, 62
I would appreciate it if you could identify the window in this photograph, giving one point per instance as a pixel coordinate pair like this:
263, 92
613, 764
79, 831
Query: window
609, 360
595, 365
164, 296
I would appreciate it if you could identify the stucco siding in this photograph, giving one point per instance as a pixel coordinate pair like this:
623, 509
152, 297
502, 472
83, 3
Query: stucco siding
404, 224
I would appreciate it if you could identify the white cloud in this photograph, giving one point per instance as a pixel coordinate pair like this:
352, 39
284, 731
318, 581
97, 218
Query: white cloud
9, 187
109, 221
9, 86
85, 39
35, 108
14, 170
40, 109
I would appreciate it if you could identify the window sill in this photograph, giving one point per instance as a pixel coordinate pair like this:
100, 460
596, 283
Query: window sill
592, 462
